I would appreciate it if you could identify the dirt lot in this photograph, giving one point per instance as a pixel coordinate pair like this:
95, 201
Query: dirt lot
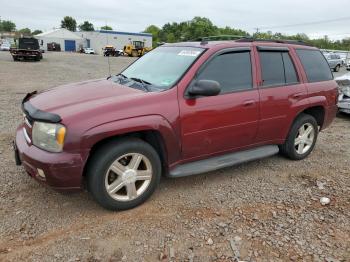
267, 210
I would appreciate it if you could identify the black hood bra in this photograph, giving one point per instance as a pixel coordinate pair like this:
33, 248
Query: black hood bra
34, 114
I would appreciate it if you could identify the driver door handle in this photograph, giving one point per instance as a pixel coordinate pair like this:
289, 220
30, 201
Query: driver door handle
249, 103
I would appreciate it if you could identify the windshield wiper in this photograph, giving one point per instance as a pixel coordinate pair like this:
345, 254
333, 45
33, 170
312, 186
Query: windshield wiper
123, 76
143, 82
118, 77
140, 80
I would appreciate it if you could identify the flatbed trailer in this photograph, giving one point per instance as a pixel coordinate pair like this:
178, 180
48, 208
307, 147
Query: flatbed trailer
28, 49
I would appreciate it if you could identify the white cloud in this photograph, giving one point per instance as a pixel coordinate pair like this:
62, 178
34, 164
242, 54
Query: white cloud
136, 15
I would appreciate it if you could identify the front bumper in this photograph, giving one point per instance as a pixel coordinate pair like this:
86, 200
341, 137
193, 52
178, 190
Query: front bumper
344, 104
62, 171
20, 55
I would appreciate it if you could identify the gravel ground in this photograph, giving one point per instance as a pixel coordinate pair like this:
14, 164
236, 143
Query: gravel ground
267, 210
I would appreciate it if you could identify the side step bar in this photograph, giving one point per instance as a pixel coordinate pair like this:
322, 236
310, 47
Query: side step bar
226, 160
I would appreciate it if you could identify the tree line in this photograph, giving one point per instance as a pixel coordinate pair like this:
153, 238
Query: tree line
70, 23
194, 29
200, 27
9, 26
67, 22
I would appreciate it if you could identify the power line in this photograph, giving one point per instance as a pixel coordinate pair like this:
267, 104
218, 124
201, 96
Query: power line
308, 23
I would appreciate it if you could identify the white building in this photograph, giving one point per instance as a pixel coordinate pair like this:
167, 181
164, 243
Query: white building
69, 41
99, 39
73, 41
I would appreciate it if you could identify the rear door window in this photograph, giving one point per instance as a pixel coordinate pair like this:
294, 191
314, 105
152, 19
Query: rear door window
315, 65
277, 68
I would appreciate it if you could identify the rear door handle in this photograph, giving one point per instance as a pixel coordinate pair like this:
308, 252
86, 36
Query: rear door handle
248, 102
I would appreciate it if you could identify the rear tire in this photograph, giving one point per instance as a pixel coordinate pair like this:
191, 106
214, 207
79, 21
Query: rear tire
123, 173
301, 139
336, 69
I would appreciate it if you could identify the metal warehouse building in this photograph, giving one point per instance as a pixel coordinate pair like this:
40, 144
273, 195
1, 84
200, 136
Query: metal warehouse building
72, 41
69, 41
99, 39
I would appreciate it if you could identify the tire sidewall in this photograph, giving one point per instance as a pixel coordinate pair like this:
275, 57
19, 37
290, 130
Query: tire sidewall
105, 157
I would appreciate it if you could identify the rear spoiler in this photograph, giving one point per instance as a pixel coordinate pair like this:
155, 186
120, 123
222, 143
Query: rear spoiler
34, 114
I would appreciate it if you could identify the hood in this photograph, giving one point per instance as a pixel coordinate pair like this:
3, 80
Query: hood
82, 97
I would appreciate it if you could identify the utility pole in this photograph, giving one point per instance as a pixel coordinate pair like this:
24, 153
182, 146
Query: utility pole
257, 30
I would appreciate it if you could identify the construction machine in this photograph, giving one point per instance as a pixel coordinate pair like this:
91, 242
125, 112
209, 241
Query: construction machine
136, 49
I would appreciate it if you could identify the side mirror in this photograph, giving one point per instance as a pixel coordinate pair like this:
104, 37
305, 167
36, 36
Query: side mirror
205, 88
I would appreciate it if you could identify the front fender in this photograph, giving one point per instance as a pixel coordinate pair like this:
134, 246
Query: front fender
136, 124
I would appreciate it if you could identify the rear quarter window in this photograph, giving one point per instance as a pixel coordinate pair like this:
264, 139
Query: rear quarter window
315, 65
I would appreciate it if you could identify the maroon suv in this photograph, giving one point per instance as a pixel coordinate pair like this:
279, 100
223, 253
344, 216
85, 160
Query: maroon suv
180, 110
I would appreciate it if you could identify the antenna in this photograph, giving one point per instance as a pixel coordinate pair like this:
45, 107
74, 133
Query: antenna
257, 30
109, 63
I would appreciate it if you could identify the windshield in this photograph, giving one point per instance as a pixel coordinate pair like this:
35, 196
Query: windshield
163, 66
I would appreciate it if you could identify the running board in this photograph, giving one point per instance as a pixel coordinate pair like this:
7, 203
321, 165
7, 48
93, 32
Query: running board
217, 162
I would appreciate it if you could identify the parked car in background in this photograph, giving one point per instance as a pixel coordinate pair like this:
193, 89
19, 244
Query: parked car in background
347, 61
88, 50
182, 109
342, 56
334, 61
5, 46
344, 93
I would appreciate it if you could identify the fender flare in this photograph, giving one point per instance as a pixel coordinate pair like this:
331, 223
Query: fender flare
136, 124
303, 105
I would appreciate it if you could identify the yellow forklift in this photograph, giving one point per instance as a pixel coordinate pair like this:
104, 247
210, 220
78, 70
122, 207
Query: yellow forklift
136, 49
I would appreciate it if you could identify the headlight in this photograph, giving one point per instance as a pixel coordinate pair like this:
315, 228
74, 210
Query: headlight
49, 137
345, 90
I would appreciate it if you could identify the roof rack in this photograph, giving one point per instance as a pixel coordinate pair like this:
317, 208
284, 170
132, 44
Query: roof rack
281, 41
204, 40
238, 38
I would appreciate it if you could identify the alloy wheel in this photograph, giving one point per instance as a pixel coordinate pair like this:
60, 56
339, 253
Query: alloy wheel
304, 138
128, 177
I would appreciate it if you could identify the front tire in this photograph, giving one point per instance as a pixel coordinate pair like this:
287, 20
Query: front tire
301, 139
336, 69
123, 173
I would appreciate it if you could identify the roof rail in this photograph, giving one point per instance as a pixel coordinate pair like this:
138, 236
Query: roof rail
206, 39
282, 41
238, 38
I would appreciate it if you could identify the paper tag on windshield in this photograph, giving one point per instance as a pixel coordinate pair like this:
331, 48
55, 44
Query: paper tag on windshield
189, 53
